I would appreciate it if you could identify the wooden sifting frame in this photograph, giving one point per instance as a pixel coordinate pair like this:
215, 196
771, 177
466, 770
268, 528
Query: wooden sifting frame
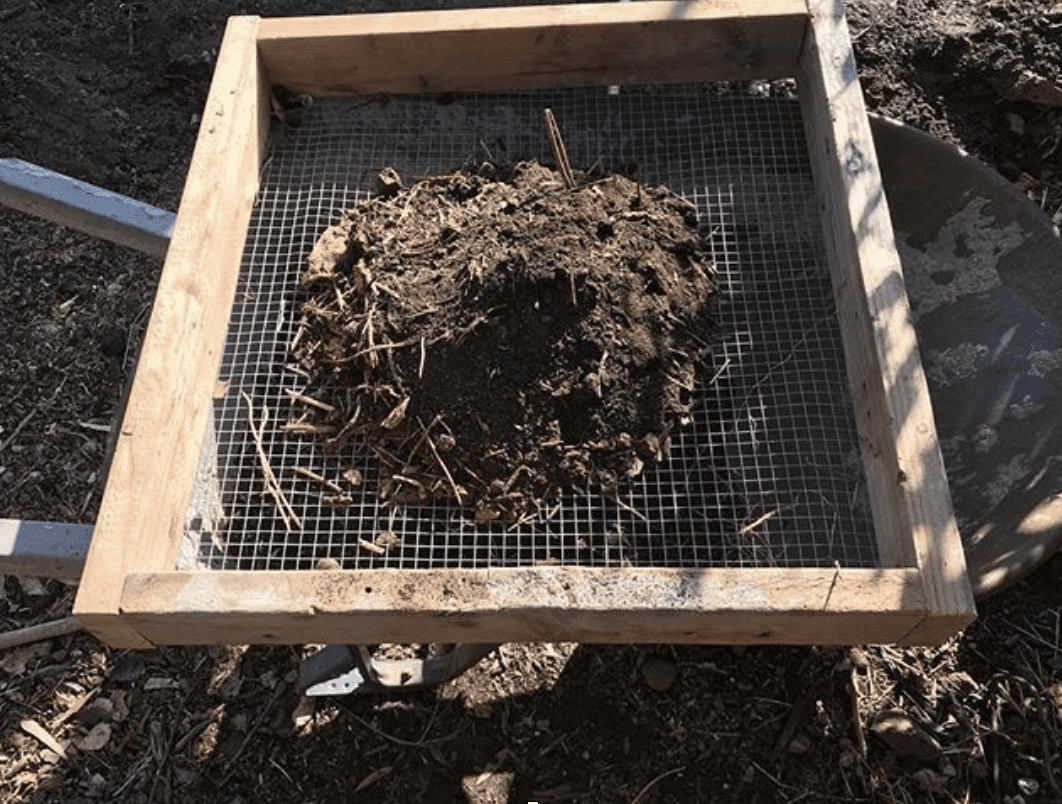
130, 595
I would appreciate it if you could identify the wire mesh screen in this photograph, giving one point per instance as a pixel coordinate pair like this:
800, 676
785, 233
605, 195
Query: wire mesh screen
767, 474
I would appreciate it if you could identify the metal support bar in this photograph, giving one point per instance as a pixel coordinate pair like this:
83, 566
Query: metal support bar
85, 207
57, 549
43, 549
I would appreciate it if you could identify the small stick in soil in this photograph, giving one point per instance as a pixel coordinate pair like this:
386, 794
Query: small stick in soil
560, 154
379, 347
833, 584
662, 776
233, 766
309, 474
857, 720
296, 396
38, 633
298, 335
423, 436
458, 495
308, 428
287, 513
396, 416
407, 743
41, 405
756, 523
369, 338
630, 508
719, 372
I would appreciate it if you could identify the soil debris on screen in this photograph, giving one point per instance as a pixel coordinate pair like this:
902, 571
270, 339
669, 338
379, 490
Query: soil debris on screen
493, 336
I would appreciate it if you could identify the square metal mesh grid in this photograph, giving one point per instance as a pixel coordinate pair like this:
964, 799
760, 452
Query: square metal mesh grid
767, 474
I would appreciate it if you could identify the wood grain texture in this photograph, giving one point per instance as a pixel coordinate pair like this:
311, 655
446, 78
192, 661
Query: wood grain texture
908, 487
130, 597
146, 498
813, 606
534, 47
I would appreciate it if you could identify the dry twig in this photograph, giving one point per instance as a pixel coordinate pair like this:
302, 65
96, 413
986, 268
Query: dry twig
560, 154
296, 396
233, 766
458, 492
287, 513
663, 775
38, 633
757, 522
408, 743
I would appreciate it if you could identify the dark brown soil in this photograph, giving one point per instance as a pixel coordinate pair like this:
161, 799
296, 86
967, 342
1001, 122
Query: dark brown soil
986, 76
111, 93
496, 336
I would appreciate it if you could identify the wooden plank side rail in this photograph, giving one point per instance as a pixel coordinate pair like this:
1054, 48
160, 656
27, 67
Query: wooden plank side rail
754, 606
536, 47
913, 515
144, 504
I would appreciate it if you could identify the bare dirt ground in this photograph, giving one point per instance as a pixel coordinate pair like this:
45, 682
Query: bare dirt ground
111, 93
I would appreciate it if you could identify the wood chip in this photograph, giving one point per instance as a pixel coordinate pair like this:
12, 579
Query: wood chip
374, 777
369, 547
96, 739
904, 735
73, 706
158, 683
16, 661
396, 416
99, 428
38, 732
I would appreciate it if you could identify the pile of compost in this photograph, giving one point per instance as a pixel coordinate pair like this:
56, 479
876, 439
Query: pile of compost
495, 336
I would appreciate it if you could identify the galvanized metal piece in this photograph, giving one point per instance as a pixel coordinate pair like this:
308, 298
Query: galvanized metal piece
343, 670
43, 549
85, 207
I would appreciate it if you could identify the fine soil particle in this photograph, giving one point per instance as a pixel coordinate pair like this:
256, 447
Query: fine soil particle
494, 335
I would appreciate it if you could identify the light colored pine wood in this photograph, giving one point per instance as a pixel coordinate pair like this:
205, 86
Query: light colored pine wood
146, 498
909, 492
131, 598
543, 46
811, 606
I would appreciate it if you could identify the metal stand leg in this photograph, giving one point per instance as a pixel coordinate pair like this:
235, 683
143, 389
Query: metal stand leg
346, 669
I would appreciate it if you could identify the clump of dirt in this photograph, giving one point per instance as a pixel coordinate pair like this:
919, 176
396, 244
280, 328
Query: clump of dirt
494, 335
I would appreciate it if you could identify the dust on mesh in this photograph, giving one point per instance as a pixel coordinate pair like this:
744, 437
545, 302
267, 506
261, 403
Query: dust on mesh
766, 473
